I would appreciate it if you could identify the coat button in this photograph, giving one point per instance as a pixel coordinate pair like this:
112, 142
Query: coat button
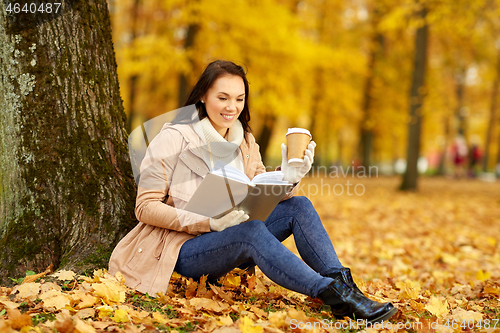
184, 155
198, 168
140, 250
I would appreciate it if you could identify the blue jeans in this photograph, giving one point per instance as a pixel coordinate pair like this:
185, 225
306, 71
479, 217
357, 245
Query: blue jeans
259, 243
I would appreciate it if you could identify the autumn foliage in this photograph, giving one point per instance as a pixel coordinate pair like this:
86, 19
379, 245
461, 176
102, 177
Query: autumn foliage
434, 254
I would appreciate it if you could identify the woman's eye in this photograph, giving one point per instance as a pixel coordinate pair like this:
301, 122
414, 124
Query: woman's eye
240, 100
222, 98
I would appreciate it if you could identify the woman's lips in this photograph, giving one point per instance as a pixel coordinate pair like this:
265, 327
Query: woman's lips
228, 116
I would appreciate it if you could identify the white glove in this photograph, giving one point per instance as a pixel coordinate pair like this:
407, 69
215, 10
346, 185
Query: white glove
294, 174
232, 218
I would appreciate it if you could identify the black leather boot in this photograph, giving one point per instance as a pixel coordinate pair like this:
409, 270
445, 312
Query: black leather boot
346, 300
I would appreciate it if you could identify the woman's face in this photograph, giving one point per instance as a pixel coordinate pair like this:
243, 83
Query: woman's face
224, 102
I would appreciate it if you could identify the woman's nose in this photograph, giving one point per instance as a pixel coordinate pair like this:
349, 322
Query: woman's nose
231, 106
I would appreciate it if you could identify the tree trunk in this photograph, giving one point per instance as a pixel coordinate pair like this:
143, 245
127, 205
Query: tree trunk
183, 79
459, 112
493, 110
416, 98
134, 78
67, 190
265, 135
366, 131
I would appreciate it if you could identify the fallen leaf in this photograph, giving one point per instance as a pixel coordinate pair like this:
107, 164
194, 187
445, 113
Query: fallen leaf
207, 304
82, 327
57, 303
28, 290
461, 315
227, 329
409, 289
64, 275
120, 316
18, 320
218, 291
225, 321
5, 327
159, 318
248, 326
111, 292
437, 307
483, 276
233, 280
8, 304
49, 294
85, 313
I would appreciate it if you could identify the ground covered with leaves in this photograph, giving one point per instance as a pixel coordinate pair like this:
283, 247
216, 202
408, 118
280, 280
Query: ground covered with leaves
434, 254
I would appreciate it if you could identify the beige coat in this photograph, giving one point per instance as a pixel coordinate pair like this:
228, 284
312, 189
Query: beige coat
171, 171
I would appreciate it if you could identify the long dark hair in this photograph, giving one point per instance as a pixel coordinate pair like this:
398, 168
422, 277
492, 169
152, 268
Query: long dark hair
213, 71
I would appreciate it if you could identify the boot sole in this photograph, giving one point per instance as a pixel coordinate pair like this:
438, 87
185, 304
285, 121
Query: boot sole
385, 316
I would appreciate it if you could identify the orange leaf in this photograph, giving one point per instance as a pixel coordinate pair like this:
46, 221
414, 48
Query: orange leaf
18, 320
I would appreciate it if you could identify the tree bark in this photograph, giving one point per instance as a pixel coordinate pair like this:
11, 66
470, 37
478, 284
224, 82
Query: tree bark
265, 135
134, 78
366, 129
416, 98
493, 110
183, 79
67, 190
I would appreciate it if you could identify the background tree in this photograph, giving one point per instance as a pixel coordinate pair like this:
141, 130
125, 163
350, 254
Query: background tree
416, 99
67, 191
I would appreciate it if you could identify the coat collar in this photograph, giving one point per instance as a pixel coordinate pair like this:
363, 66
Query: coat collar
192, 155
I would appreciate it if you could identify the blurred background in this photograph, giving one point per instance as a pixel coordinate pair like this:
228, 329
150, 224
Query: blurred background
341, 68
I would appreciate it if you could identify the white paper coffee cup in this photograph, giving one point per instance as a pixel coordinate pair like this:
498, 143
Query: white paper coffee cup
297, 140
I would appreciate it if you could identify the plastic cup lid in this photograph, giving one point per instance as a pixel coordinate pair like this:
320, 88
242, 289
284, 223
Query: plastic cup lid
298, 130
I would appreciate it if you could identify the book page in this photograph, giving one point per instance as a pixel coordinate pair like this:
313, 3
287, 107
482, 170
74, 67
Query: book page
271, 177
226, 170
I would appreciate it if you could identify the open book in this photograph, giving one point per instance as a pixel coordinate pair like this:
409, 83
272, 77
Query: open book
226, 188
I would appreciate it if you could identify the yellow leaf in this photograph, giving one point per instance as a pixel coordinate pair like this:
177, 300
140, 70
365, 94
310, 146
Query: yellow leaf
49, 294
486, 290
159, 318
233, 280
9, 304
207, 304
461, 315
84, 300
82, 327
85, 313
409, 289
482, 276
58, 302
18, 320
120, 316
119, 276
28, 290
419, 307
247, 326
225, 321
105, 311
110, 291
64, 275
277, 319
437, 307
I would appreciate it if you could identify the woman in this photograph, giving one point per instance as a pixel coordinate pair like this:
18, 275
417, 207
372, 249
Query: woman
169, 238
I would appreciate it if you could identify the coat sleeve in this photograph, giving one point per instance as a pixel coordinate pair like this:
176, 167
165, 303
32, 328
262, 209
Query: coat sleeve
156, 172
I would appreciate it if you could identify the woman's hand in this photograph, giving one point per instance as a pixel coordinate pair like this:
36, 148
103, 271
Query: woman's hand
232, 218
294, 174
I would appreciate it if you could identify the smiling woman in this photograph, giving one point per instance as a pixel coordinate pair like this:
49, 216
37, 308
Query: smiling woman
170, 238
224, 102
